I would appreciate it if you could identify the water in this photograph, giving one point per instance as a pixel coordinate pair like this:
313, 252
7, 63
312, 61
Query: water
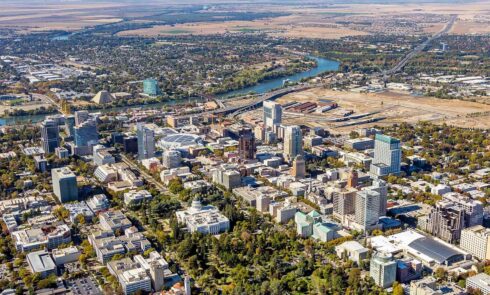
323, 65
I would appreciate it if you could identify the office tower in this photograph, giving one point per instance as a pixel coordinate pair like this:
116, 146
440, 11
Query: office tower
299, 167
130, 145
367, 209
380, 187
146, 142
272, 114
246, 144
293, 142
150, 87
70, 125
81, 116
387, 156
383, 269
64, 184
353, 180
117, 137
445, 221
50, 136
86, 134
171, 159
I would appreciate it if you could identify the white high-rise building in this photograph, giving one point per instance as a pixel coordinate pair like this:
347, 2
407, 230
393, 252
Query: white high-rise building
383, 270
272, 114
380, 187
146, 142
293, 142
387, 156
367, 209
171, 159
476, 241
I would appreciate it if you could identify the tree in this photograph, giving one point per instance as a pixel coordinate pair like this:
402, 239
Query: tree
397, 289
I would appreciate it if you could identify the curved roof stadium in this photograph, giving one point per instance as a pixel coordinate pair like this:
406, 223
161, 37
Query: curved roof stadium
435, 251
179, 140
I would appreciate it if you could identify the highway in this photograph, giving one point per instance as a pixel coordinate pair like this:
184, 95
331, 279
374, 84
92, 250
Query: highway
420, 47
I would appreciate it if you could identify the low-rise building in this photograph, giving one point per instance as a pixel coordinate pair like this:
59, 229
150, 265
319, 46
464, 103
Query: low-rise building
48, 236
65, 255
136, 197
40, 262
352, 250
114, 220
479, 282
204, 219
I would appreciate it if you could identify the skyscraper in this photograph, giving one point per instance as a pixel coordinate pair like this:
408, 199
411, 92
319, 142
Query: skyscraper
146, 142
380, 187
81, 116
272, 114
150, 87
246, 144
64, 184
299, 167
387, 156
293, 142
70, 125
50, 135
367, 209
383, 269
86, 134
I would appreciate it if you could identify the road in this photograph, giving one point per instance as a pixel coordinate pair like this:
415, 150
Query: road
147, 177
420, 47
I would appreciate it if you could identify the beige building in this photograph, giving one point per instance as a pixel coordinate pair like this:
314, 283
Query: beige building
476, 240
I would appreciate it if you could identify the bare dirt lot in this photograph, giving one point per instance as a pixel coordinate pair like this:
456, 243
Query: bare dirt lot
395, 107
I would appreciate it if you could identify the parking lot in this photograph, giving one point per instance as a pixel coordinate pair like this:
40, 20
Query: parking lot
84, 286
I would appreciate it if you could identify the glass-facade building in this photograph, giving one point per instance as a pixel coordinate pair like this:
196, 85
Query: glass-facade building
86, 134
387, 156
50, 136
150, 87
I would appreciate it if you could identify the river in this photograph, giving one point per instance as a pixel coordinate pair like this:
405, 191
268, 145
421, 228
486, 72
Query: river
323, 65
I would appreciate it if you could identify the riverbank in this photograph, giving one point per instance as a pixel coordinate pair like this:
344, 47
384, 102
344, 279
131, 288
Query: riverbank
322, 65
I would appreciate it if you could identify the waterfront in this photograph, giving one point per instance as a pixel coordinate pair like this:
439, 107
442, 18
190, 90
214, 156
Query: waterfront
323, 65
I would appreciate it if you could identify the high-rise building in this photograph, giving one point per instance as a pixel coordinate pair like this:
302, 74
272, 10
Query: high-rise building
70, 125
383, 269
293, 142
272, 114
146, 142
299, 167
353, 179
86, 134
344, 204
246, 144
81, 116
473, 209
150, 87
387, 156
476, 241
445, 221
367, 209
130, 145
50, 136
380, 187
171, 159
64, 184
